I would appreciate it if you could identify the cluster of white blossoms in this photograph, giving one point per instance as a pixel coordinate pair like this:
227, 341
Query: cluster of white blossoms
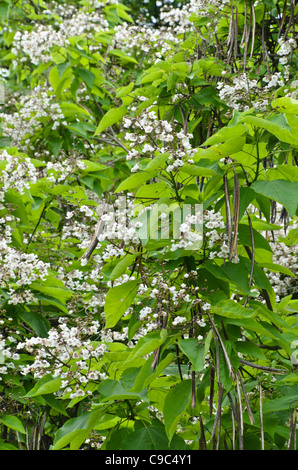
163, 303
179, 18
83, 22
36, 45
190, 233
217, 239
149, 134
241, 94
286, 256
68, 353
286, 48
22, 124
19, 270
17, 174
141, 38
8, 353
244, 93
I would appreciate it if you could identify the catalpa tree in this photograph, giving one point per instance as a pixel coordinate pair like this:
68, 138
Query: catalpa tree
148, 219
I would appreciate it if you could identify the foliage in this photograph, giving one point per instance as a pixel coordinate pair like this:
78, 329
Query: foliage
148, 342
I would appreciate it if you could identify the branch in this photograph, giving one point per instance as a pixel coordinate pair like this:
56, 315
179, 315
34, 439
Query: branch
265, 368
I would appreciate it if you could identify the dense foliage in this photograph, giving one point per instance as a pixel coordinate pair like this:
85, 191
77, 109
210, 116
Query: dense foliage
184, 341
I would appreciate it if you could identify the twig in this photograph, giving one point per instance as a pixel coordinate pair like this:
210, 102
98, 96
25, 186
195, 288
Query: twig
217, 420
273, 370
251, 416
222, 345
240, 416
261, 415
252, 256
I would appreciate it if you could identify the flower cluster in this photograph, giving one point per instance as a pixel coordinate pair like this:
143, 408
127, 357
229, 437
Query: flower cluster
68, 353
141, 38
241, 94
18, 271
244, 92
18, 173
8, 352
149, 134
180, 20
33, 109
217, 240
190, 237
287, 257
286, 48
22, 268
38, 43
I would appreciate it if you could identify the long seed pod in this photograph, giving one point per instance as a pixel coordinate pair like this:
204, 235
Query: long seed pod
253, 14
202, 441
261, 415
217, 420
282, 19
228, 211
211, 394
193, 389
215, 330
252, 256
240, 415
250, 414
236, 207
292, 433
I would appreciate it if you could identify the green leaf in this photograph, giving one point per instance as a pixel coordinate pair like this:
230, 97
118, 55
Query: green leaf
60, 83
39, 324
118, 299
54, 403
121, 266
123, 56
194, 351
235, 273
76, 430
87, 76
250, 349
147, 375
151, 437
45, 386
62, 294
225, 133
287, 172
282, 132
286, 402
287, 104
135, 180
153, 190
218, 151
124, 90
13, 422
146, 345
230, 309
245, 238
158, 162
283, 191
175, 404
117, 390
112, 116
198, 169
